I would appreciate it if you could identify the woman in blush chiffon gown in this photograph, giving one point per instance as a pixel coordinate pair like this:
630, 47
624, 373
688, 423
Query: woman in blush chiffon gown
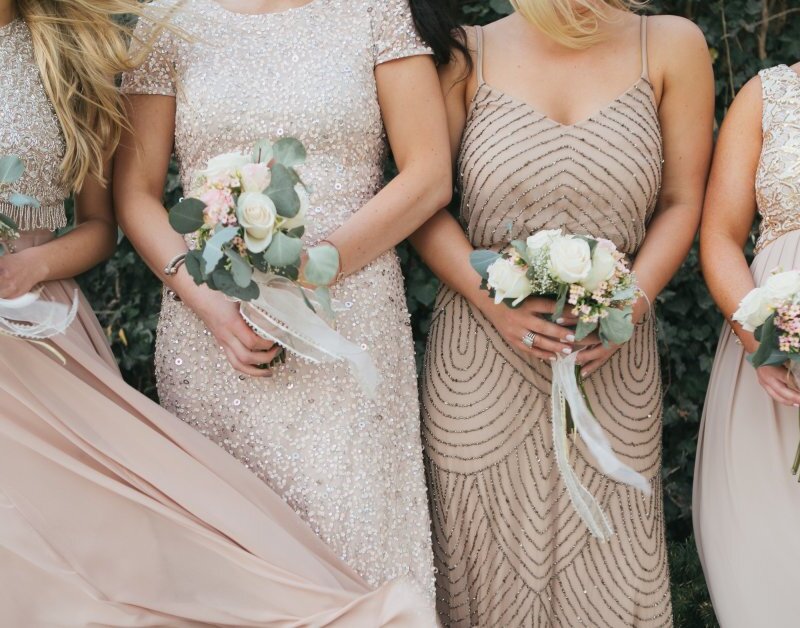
746, 500
113, 512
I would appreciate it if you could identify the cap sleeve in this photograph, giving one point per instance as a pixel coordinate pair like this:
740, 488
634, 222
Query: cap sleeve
156, 74
394, 33
776, 83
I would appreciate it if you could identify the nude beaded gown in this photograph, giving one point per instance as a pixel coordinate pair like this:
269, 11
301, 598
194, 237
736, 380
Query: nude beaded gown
509, 548
746, 502
350, 466
113, 512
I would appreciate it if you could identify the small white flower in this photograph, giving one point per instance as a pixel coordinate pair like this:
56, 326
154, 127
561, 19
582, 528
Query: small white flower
754, 309
508, 281
604, 264
783, 286
257, 215
224, 165
541, 239
255, 177
300, 218
570, 259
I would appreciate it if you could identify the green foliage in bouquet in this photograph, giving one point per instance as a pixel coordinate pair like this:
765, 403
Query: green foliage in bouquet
11, 170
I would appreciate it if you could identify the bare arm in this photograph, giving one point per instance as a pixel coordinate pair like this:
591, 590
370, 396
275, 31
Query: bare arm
415, 122
727, 219
91, 241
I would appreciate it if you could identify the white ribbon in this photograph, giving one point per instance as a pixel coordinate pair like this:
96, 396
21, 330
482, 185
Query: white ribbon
566, 391
32, 319
281, 314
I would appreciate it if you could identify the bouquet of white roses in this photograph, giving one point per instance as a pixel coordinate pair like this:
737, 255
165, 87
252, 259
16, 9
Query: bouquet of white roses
245, 217
27, 317
591, 277
772, 313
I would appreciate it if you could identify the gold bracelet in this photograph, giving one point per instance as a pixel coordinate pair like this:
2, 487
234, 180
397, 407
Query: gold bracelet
649, 315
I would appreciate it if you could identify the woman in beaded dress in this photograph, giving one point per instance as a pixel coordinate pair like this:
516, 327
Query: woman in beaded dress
113, 512
562, 144
339, 75
746, 500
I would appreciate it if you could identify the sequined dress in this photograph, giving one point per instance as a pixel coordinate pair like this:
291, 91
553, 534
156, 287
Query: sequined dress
509, 548
746, 503
350, 466
113, 512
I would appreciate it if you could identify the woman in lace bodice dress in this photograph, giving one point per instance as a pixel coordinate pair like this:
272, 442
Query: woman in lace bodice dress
606, 130
746, 501
341, 76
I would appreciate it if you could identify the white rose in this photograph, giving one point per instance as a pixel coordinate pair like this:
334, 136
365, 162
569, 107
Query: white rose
300, 218
570, 259
783, 286
508, 281
541, 239
255, 177
754, 309
226, 164
603, 265
257, 215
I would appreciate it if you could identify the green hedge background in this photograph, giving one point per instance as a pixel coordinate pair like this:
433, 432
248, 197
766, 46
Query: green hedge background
743, 36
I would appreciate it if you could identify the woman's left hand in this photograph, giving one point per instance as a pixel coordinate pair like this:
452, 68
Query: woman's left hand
592, 358
19, 274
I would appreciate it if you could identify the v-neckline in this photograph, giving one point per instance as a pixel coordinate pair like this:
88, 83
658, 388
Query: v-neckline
556, 123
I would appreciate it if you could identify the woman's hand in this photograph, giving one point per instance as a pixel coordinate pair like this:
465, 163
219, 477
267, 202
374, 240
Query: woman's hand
776, 381
19, 273
516, 323
592, 358
245, 350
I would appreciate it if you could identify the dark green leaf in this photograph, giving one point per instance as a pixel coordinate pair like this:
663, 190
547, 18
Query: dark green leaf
281, 191
242, 271
187, 215
284, 251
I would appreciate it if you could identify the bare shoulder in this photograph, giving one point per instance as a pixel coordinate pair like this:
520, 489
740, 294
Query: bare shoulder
796, 67
674, 37
746, 110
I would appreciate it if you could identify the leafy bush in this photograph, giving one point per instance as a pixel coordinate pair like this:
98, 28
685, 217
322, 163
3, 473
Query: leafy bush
744, 36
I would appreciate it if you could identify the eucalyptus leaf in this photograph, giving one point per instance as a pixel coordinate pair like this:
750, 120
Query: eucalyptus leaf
284, 251
281, 191
481, 260
297, 232
263, 152
561, 302
8, 222
194, 266
213, 250
187, 215
289, 152
22, 200
522, 249
584, 329
242, 271
627, 294
617, 327
767, 336
225, 283
11, 169
322, 265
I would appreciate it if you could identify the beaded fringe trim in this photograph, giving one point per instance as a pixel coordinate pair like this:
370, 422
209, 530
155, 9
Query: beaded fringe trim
29, 218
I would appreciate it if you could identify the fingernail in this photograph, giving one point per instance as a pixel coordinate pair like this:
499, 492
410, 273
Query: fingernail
797, 405
560, 321
552, 358
566, 350
571, 338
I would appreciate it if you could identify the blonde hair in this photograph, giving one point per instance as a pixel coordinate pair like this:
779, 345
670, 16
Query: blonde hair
572, 23
80, 49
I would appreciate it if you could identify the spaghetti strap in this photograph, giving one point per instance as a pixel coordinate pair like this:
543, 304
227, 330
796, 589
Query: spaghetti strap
479, 53
645, 64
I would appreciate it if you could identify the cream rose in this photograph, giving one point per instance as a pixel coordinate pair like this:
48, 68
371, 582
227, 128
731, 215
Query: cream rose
508, 281
257, 215
783, 286
255, 177
300, 218
570, 259
541, 239
754, 309
603, 265
223, 165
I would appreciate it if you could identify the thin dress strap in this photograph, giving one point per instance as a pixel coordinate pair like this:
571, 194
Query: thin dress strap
645, 64
479, 53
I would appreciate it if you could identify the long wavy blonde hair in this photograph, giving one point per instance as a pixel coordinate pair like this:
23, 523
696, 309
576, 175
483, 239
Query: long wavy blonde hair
80, 49
572, 23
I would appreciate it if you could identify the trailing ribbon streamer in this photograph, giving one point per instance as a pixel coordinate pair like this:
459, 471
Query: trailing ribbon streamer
282, 314
567, 392
34, 320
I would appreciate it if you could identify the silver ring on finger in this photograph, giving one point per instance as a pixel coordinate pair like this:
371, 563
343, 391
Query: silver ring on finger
529, 339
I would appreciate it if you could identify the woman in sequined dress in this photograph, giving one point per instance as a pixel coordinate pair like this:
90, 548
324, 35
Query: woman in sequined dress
341, 76
573, 139
746, 501
113, 512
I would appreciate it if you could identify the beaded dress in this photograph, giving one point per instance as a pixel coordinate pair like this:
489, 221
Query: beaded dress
113, 512
510, 550
350, 466
746, 501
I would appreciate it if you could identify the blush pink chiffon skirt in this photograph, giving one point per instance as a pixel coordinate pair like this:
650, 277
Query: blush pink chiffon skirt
746, 502
115, 513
